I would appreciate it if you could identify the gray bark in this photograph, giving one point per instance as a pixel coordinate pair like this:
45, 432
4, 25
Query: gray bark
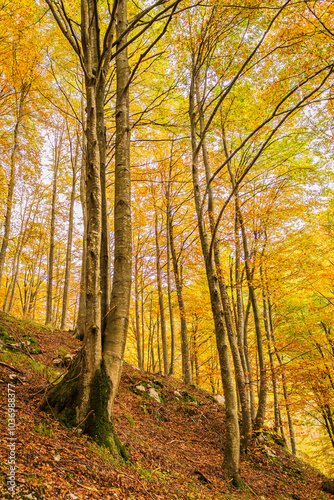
11, 185
243, 392
186, 366
161, 301
232, 440
56, 162
69, 239
117, 324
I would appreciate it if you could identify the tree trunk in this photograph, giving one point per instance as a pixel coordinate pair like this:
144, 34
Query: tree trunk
11, 185
271, 354
260, 415
232, 441
117, 324
79, 329
243, 393
170, 302
284, 384
186, 367
137, 318
56, 159
161, 301
69, 240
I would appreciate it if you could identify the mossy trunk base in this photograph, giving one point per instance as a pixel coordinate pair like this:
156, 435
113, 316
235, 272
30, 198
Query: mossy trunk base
63, 400
98, 425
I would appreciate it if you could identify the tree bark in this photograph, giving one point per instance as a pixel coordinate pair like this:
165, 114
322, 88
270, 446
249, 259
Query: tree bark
232, 441
271, 354
79, 329
186, 367
56, 162
9, 202
243, 393
161, 301
117, 324
137, 317
69, 239
169, 284
260, 415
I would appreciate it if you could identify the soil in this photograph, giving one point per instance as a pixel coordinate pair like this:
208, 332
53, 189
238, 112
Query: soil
175, 446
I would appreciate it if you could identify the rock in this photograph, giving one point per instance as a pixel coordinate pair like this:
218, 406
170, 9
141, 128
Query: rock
220, 399
328, 486
269, 452
13, 346
140, 388
68, 358
154, 394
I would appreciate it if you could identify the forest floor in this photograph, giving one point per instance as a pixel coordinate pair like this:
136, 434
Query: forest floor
175, 446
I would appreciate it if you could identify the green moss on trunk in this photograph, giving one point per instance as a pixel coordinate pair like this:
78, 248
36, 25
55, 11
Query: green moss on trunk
64, 398
98, 425
61, 398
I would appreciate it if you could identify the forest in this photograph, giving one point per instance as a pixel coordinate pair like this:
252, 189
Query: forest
166, 195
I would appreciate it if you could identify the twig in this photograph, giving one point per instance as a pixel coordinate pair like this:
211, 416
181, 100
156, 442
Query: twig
11, 367
84, 420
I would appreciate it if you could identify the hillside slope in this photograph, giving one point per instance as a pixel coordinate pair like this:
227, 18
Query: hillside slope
174, 436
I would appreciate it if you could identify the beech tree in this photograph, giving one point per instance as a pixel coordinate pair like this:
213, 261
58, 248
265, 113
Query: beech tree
95, 389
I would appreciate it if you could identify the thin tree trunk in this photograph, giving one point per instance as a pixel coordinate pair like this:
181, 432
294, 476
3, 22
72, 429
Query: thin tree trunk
260, 416
170, 302
137, 318
232, 440
11, 185
284, 384
195, 350
69, 239
271, 354
143, 327
186, 368
33, 272
161, 301
243, 393
79, 329
56, 160
248, 362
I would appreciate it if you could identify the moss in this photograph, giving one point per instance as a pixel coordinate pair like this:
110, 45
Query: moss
61, 398
21, 360
98, 424
4, 334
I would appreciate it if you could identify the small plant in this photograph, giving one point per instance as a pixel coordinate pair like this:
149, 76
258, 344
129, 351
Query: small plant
32, 340
130, 419
61, 352
43, 430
